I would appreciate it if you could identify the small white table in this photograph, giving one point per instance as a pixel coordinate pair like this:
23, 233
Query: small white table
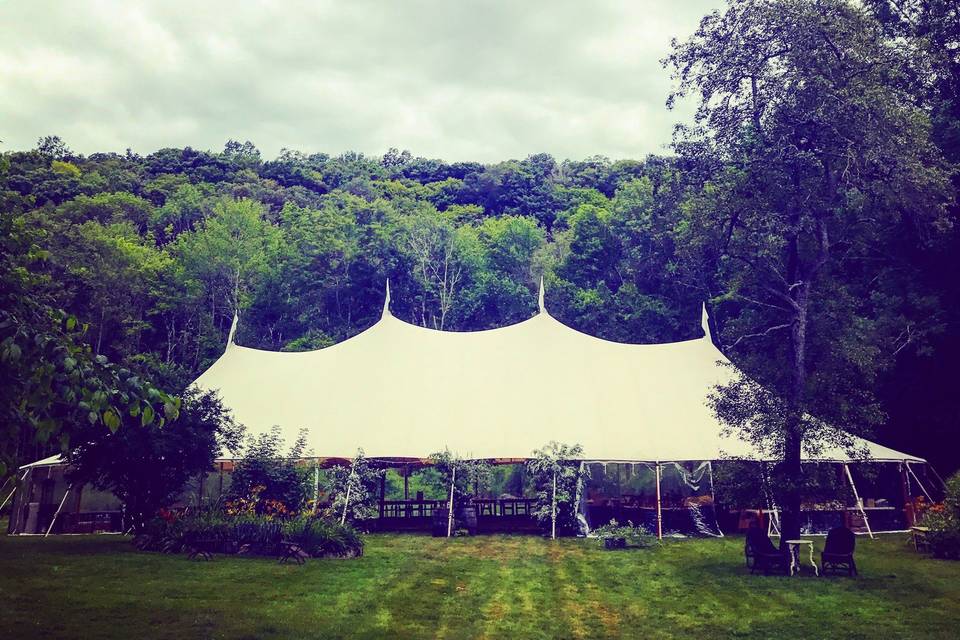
794, 547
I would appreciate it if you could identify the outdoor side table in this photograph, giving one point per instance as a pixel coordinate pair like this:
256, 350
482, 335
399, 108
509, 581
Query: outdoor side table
920, 541
794, 547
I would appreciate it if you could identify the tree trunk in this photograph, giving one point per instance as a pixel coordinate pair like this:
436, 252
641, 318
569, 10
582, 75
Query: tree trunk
791, 475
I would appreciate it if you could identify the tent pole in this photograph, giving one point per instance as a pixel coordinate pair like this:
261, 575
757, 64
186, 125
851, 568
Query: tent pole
907, 498
9, 495
453, 483
553, 509
943, 484
866, 521
713, 498
23, 505
54, 520
922, 488
659, 508
346, 501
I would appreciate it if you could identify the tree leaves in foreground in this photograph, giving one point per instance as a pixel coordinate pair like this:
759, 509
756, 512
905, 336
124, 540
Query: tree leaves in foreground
148, 466
53, 385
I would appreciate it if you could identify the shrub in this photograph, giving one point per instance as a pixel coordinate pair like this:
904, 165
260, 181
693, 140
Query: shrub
943, 520
634, 535
323, 537
267, 480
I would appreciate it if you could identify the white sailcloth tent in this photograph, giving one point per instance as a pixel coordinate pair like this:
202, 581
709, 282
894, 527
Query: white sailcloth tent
402, 392
398, 390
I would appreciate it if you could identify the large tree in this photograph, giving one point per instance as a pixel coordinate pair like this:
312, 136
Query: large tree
148, 466
822, 170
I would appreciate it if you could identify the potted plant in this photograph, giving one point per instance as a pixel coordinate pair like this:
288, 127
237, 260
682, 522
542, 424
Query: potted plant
616, 536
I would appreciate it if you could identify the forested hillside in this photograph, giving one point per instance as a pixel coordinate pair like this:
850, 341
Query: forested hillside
153, 254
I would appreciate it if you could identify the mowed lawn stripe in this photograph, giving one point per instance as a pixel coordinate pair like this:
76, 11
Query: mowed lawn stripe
482, 587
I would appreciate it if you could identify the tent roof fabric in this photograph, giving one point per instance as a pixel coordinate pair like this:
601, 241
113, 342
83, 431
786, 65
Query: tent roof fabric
403, 391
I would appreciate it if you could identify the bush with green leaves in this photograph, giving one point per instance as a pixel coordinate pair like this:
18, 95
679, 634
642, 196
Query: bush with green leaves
469, 477
268, 480
222, 533
557, 472
323, 537
148, 465
633, 535
355, 490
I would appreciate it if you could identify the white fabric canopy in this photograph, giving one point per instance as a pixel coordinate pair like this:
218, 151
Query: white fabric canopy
399, 390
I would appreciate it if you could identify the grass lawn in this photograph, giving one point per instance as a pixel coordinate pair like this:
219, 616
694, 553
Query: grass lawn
492, 587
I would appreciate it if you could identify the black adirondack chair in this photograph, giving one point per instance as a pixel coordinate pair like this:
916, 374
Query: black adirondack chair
761, 555
837, 553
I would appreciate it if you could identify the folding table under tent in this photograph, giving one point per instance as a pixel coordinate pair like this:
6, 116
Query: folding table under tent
400, 392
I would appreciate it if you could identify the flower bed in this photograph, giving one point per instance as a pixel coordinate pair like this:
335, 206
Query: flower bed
208, 532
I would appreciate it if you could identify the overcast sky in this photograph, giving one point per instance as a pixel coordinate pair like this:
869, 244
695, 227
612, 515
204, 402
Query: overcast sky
454, 79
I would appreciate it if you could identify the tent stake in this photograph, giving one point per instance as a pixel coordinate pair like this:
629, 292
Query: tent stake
856, 495
54, 520
453, 483
659, 512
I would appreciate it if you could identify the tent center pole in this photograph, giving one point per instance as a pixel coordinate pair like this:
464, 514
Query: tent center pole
53, 521
659, 507
553, 508
453, 483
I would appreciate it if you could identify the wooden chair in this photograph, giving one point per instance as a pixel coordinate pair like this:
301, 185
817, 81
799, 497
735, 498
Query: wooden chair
761, 555
837, 553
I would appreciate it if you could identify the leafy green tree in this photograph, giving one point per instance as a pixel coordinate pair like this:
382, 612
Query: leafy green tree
444, 258
355, 490
557, 473
824, 160
228, 254
267, 475
148, 466
53, 383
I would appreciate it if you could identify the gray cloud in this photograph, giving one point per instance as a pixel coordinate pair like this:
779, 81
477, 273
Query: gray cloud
456, 80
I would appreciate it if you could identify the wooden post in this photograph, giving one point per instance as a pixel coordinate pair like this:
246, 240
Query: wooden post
553, 515
453, 484
316, 484
659, 512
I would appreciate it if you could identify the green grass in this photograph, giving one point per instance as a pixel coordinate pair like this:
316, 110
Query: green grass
484, 587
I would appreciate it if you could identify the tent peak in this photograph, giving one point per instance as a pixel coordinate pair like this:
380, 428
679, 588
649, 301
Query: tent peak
386, 302
705, 322
540, 296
